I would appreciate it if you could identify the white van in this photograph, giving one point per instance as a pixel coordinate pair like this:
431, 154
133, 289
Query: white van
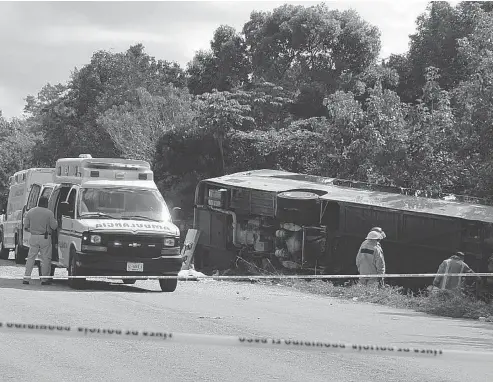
112, 221
11, 228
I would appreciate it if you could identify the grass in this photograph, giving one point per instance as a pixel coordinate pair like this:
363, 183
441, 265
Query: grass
443, 303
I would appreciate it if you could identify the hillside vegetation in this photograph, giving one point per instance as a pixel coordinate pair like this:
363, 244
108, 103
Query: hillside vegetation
299, 88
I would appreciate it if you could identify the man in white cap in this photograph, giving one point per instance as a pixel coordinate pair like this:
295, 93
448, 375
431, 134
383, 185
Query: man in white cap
370, 260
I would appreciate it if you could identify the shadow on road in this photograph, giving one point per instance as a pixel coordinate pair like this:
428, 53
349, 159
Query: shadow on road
62, 286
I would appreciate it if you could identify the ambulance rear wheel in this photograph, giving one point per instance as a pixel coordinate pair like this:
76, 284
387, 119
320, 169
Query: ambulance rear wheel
20, 254
4, 252
74, 270
168, 285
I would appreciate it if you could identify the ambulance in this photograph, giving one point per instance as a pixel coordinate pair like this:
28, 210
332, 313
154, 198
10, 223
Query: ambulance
13, 235
112, 221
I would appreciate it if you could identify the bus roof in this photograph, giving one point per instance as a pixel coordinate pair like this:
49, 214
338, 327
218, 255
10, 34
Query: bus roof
351, 192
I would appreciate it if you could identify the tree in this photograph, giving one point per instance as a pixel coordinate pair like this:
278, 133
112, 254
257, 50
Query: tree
219, 114
136, 129
473, 103
15, 152
67, 115
224, 67
295, 45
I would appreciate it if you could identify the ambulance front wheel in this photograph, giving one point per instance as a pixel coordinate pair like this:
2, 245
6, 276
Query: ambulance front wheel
168, 285
74, 270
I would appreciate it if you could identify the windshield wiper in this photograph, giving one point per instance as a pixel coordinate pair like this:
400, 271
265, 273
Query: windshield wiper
128, 217
97, 214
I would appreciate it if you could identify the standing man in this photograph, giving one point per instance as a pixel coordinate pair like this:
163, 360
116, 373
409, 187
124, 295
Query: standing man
454, 264
40, 222
370, 260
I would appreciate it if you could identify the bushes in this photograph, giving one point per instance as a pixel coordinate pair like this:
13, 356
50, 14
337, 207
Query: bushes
443, 303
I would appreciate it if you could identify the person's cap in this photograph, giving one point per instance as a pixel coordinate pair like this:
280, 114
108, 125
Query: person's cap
374, 235
460, 254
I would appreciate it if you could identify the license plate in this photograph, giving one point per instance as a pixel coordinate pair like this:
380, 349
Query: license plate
135, 267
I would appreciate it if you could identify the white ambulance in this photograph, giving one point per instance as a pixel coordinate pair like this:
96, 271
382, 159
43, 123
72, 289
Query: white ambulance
12, 233
112, 221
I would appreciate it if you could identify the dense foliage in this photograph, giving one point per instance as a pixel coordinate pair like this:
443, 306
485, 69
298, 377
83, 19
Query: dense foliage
299, 88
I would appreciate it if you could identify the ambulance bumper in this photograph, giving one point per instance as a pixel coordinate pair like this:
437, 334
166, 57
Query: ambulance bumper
100, 264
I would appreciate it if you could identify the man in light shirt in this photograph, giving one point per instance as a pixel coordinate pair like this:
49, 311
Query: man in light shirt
40, 222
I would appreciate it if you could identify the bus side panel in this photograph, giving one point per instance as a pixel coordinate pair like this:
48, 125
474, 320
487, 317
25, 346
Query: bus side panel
212, 249
414, 243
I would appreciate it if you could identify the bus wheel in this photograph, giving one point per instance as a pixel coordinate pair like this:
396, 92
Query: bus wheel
168, 285
74, 270
129, 281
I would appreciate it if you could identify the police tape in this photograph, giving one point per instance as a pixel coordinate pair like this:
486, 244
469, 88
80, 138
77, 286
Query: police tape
248, 277
238, 341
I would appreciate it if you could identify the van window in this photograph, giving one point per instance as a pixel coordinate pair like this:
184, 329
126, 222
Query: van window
47, 192
60, 196
71, 202
33, 196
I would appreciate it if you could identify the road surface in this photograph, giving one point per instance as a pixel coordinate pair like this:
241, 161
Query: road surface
230, 308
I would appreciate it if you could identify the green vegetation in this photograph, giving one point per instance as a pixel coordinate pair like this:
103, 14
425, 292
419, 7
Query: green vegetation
299, 88
443, 303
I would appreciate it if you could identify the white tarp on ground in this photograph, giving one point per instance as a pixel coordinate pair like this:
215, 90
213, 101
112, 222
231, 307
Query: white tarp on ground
190, 274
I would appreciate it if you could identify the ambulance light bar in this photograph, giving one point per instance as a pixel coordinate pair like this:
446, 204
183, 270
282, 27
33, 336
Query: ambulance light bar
115, 166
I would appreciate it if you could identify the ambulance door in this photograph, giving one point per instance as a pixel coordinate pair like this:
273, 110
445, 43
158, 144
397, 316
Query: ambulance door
65, 223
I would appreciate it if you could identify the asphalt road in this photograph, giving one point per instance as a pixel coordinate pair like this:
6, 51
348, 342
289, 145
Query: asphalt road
231, 308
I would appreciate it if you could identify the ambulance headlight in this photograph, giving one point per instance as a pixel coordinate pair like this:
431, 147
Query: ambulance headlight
169, 242
95, 239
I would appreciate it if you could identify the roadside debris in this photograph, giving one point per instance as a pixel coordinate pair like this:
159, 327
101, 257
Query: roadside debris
190, 274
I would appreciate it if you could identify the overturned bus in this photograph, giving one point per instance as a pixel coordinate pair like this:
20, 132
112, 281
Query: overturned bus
315, 225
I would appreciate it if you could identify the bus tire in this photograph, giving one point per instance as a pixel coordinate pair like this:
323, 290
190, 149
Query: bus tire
168, 285
74, 270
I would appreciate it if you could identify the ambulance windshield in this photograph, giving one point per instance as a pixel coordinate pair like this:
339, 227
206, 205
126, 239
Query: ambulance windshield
121, 203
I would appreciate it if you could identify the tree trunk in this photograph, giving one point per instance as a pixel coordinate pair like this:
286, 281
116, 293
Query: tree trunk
220, 142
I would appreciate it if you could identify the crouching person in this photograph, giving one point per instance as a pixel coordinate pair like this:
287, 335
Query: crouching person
370, 260
454, 264
40, 222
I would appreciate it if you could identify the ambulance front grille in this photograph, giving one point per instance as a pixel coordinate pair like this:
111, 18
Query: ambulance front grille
135, 245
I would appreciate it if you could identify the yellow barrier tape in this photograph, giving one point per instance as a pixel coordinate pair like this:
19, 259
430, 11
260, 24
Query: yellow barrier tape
238, 341
252, 277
